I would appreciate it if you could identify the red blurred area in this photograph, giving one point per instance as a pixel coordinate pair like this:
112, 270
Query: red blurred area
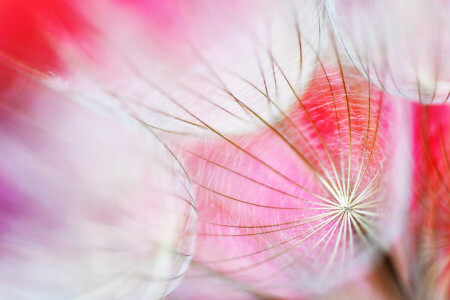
26, 30
431, 207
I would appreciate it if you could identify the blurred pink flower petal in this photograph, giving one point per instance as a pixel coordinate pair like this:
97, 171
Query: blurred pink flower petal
432, 203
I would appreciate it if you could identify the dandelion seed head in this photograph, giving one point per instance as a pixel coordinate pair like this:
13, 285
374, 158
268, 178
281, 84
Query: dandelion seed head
290, 204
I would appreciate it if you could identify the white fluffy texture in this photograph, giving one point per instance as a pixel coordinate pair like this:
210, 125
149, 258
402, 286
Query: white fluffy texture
400, 45
102, 211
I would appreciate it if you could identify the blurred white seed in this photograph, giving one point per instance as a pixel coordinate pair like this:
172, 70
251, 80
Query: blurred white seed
101, 210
